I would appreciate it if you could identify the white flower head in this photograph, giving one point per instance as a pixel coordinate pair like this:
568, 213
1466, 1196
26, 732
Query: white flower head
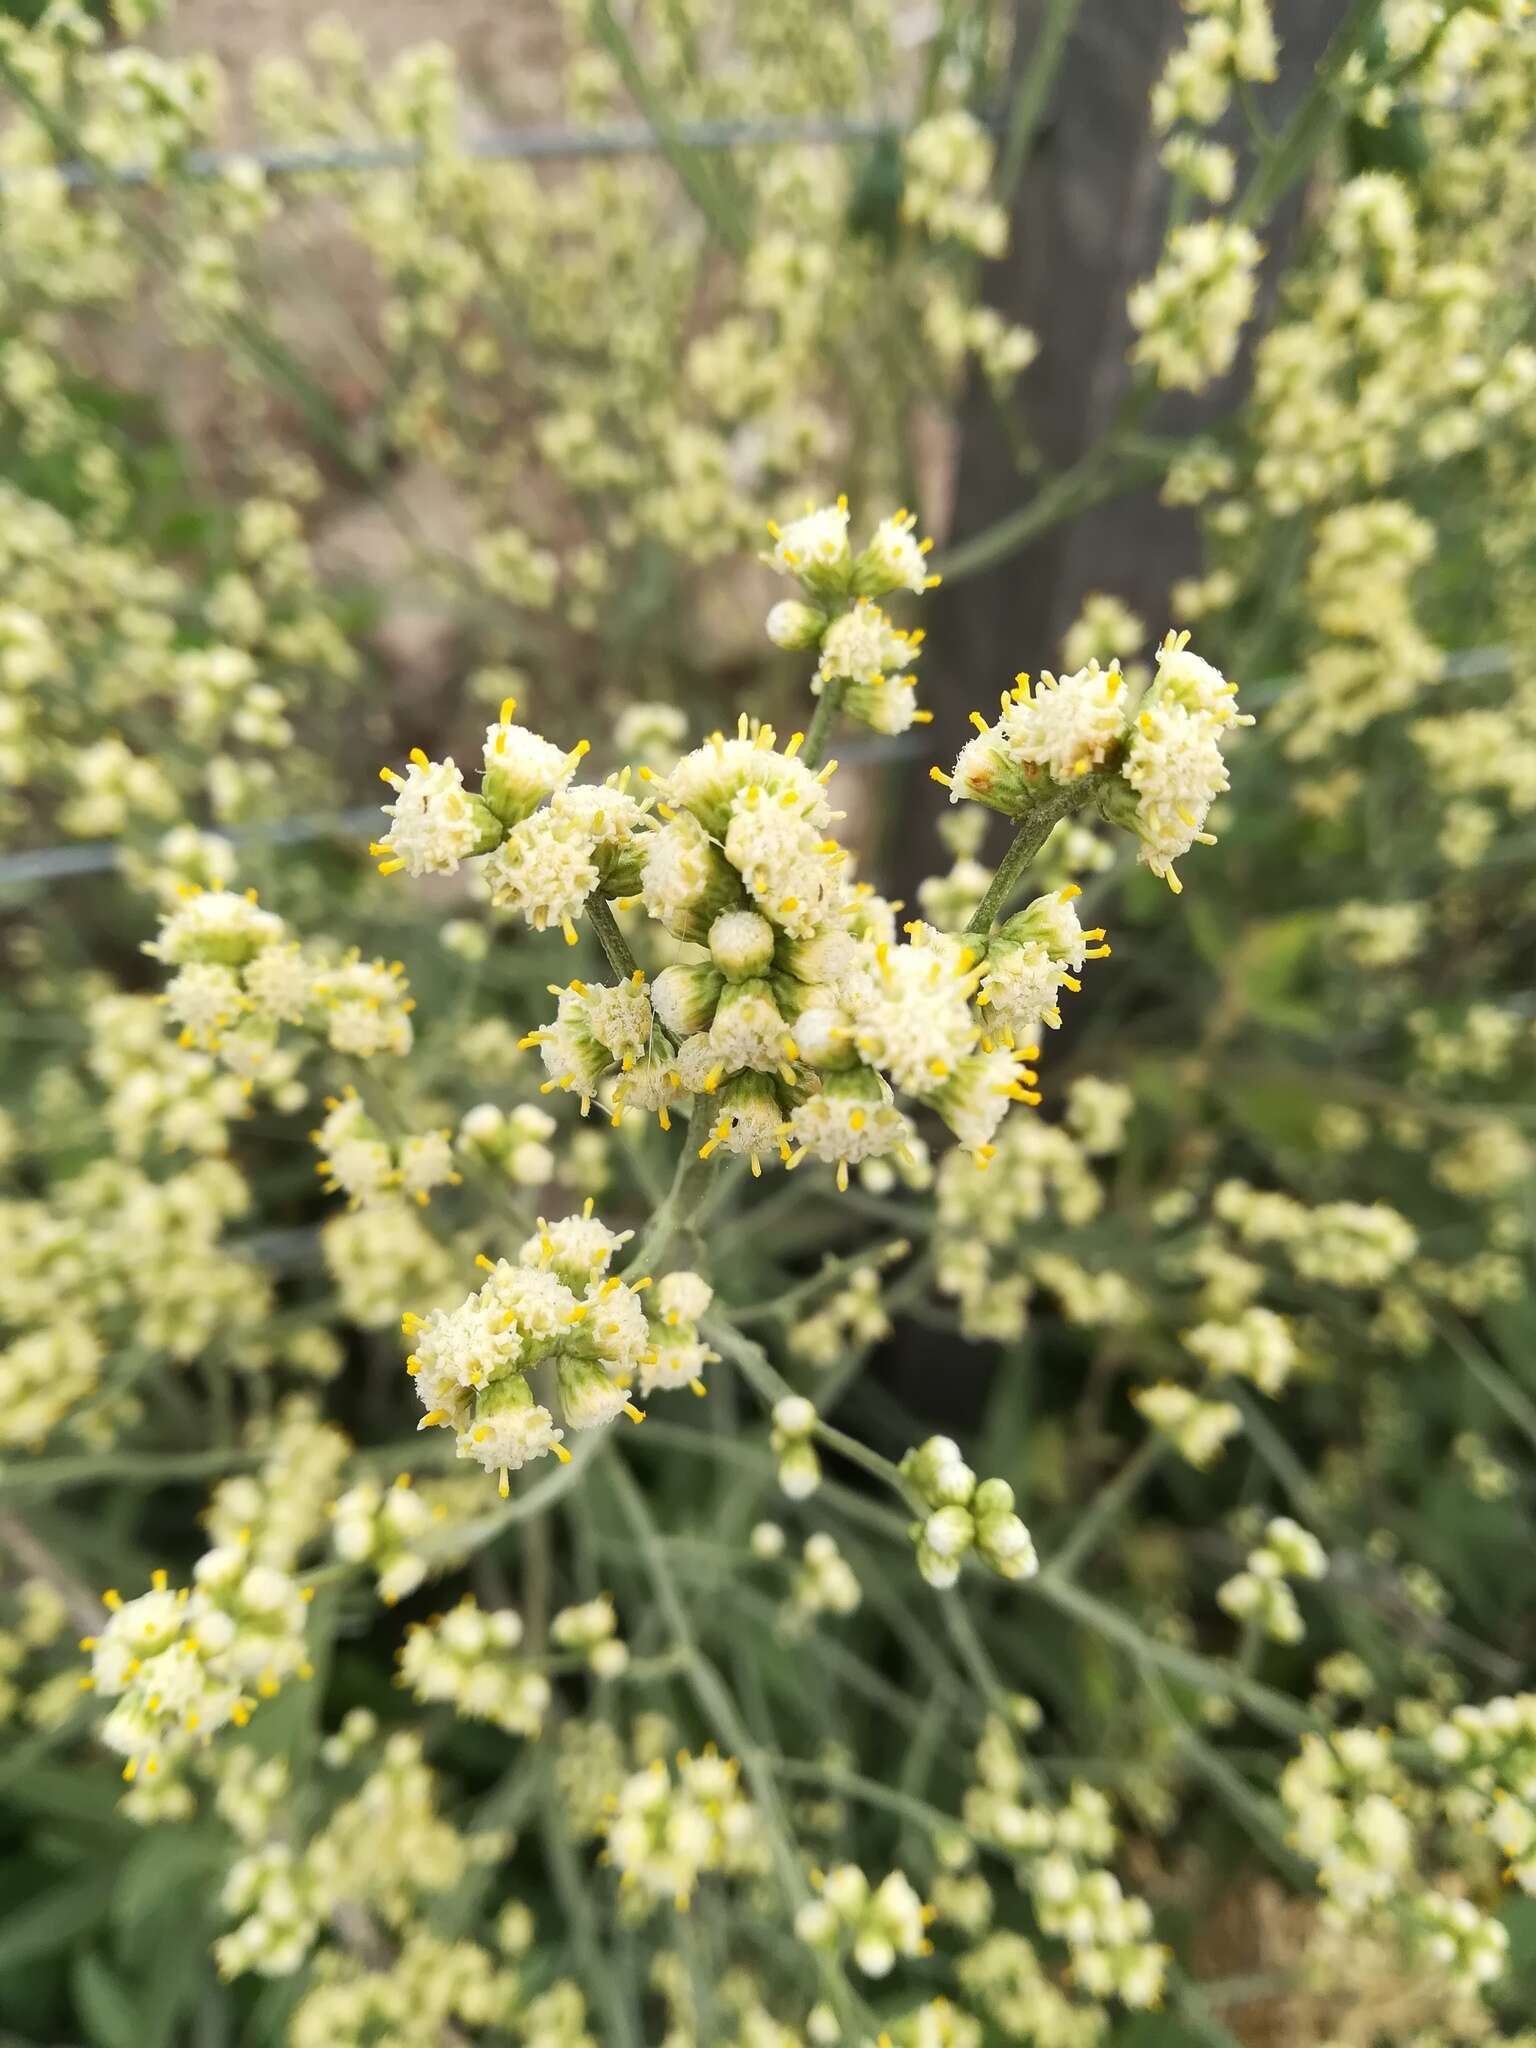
508, 1429
1174, 765
215, 926
1066, 724
862, 646
522, 769
436, 823
894, 559
814, 548
545, 868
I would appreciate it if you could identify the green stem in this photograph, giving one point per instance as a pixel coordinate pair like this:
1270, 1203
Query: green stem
1034, 91
574, 1891
1261, 1817
1034, 829
868, 1790
1275, 1709
1116, 464
689, 1180
820, 729
147, 1468
1496, 1384
788, 1305
1266, 1705
715, 188
715, 1701
1313, 122
616, 948
1105, 1507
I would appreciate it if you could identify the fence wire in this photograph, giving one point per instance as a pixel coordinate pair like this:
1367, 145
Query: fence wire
98, 856
510, 145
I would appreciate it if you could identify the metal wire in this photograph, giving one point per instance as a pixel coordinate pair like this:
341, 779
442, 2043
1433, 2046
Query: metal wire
100, 856
94, 857
523, 145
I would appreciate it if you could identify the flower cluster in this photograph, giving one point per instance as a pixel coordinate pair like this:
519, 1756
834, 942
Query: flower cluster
1156, 762
592, 1630
802, 1018
876, 1923
863, 656
179, 1666
1191, 313
824, 1584
948, 165
964, 1514
793, 1443
544, 846
555, 1305
1362, 1819
465, 1658
668, 1827
1062, 1852
381, 1852
988, 1233
240, 977
361, 1163
1197, 1428
385, 1528
1261, 1594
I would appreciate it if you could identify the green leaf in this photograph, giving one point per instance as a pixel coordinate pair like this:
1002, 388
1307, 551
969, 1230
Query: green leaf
159, 1871
1271, 967
55, 1920
90, 1796
105, 2004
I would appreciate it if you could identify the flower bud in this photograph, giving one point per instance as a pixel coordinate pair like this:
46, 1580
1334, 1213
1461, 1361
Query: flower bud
741, 944
795, 626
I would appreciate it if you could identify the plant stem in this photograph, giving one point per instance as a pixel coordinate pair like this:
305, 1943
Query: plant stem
615, 946
1277, 1710
1293, 150
1034, 829
1495, 1383
1034, 90
1266, 1705
574, 1893
34, 1556
1106, 1505
1115, 464
147, 1468
714, 1698
689, 1180
820, 729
